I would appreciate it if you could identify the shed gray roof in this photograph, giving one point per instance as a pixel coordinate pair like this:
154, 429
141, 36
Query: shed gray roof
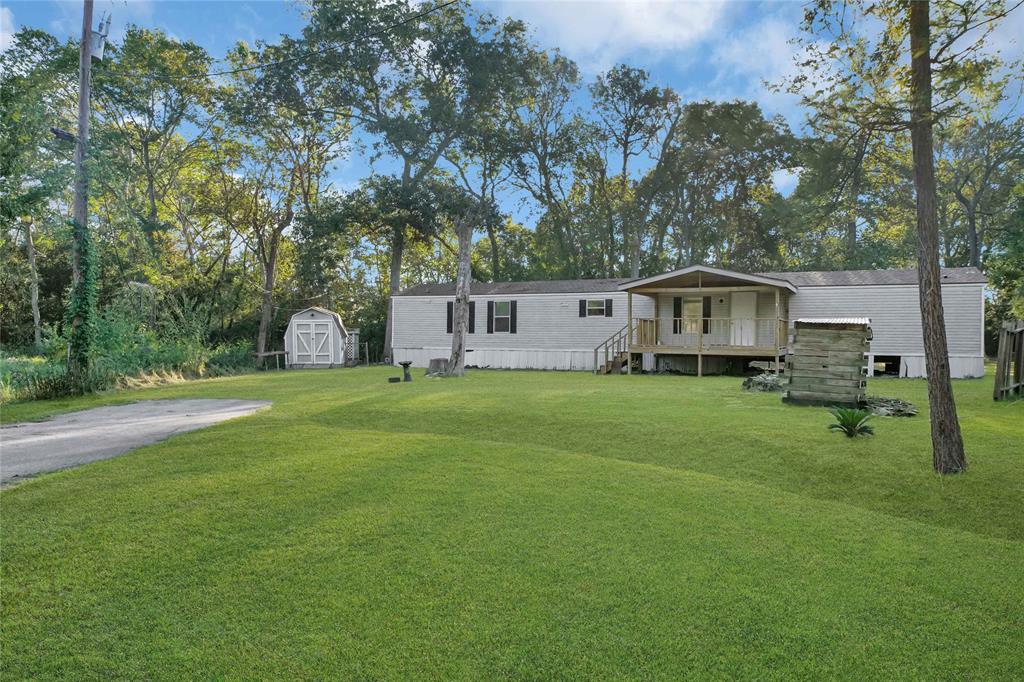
799, 279
875, 277
324, 311
555, 286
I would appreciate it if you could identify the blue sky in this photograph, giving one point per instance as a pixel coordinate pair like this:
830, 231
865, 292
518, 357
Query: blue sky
704, 50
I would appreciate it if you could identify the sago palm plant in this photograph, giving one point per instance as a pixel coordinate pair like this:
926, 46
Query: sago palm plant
852, 422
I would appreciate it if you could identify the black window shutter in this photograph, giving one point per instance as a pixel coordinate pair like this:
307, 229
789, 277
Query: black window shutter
512, 318
490, 317
706, 313
677, 312
607, 307
451, 315
472, 317
583, 307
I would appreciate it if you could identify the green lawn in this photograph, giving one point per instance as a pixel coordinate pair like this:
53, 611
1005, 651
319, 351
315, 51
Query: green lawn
525, 525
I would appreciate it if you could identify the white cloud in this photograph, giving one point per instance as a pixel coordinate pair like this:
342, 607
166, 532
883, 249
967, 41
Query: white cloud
598, 34
749, 60
6, 28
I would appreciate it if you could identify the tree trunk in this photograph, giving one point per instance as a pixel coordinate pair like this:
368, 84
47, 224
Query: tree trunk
855, 183
460, 317
947, 443
30, 253
972, 238
495, 260
394, 285
267, 302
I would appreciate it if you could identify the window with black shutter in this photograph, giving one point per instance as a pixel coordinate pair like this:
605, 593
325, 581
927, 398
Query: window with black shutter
677, 313
451, 317
502, 316
706, 313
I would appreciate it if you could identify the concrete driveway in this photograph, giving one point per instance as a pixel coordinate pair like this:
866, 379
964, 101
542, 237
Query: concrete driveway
75, 438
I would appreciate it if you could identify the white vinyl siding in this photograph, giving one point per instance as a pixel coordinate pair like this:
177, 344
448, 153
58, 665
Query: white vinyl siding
544, 322
896, 314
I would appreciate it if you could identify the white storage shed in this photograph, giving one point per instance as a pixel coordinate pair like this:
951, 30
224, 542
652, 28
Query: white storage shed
315, 338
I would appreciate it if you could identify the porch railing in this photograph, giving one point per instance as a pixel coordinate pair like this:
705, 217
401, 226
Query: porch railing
708, 333
611, 348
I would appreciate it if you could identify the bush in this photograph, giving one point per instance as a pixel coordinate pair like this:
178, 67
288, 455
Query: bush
141, 337
852, 422
232, 357
765, 382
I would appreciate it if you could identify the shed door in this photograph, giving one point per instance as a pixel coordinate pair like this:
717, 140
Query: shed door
313, 343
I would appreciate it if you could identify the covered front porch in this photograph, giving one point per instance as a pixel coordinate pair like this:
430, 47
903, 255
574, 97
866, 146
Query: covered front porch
705, 312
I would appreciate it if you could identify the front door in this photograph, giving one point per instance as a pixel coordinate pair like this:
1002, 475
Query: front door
743, 310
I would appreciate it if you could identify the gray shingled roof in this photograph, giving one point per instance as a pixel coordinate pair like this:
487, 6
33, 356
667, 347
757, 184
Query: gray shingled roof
556, 286
799, 279
867, 277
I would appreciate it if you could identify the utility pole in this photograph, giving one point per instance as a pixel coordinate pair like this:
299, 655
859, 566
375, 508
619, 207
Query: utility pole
81, 207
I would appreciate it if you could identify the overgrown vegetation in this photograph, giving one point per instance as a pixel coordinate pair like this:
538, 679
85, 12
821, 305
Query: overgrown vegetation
138, 338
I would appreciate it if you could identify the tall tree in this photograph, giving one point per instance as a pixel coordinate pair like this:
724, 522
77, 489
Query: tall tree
150, 89
982, 161
947, 442
281, 165
947, 56
635, 119
413, 76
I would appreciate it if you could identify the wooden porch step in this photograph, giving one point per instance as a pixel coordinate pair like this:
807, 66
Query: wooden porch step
616, 365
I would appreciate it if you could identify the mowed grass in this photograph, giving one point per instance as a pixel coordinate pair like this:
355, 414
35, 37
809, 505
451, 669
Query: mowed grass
521, 525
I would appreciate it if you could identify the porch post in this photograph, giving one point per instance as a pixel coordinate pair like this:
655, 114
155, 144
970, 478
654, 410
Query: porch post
629, 332
778, 330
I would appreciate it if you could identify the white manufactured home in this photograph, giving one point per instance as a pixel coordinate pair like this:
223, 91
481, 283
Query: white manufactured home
697, 320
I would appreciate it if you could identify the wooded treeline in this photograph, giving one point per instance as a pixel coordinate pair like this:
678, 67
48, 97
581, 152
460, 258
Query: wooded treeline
211, 201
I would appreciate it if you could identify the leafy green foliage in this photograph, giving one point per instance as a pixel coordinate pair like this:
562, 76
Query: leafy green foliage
80, 318
215, 191
852, 422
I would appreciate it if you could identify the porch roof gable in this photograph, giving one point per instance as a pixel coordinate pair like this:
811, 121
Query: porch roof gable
707, 276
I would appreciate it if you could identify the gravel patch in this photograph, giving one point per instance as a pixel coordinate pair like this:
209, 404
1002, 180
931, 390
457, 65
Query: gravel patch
76, 438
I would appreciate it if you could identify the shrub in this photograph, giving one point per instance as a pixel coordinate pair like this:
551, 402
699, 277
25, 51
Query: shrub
231, 357
852, 422
768, 383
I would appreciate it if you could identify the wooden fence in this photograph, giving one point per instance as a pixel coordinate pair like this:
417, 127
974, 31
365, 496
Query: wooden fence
1010, 361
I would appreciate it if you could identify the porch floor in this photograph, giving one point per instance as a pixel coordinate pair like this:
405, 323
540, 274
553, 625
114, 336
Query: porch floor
715, 350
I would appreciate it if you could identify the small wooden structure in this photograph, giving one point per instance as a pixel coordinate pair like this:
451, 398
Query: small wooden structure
276, 354
316, 338
1010, 361
827, 363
